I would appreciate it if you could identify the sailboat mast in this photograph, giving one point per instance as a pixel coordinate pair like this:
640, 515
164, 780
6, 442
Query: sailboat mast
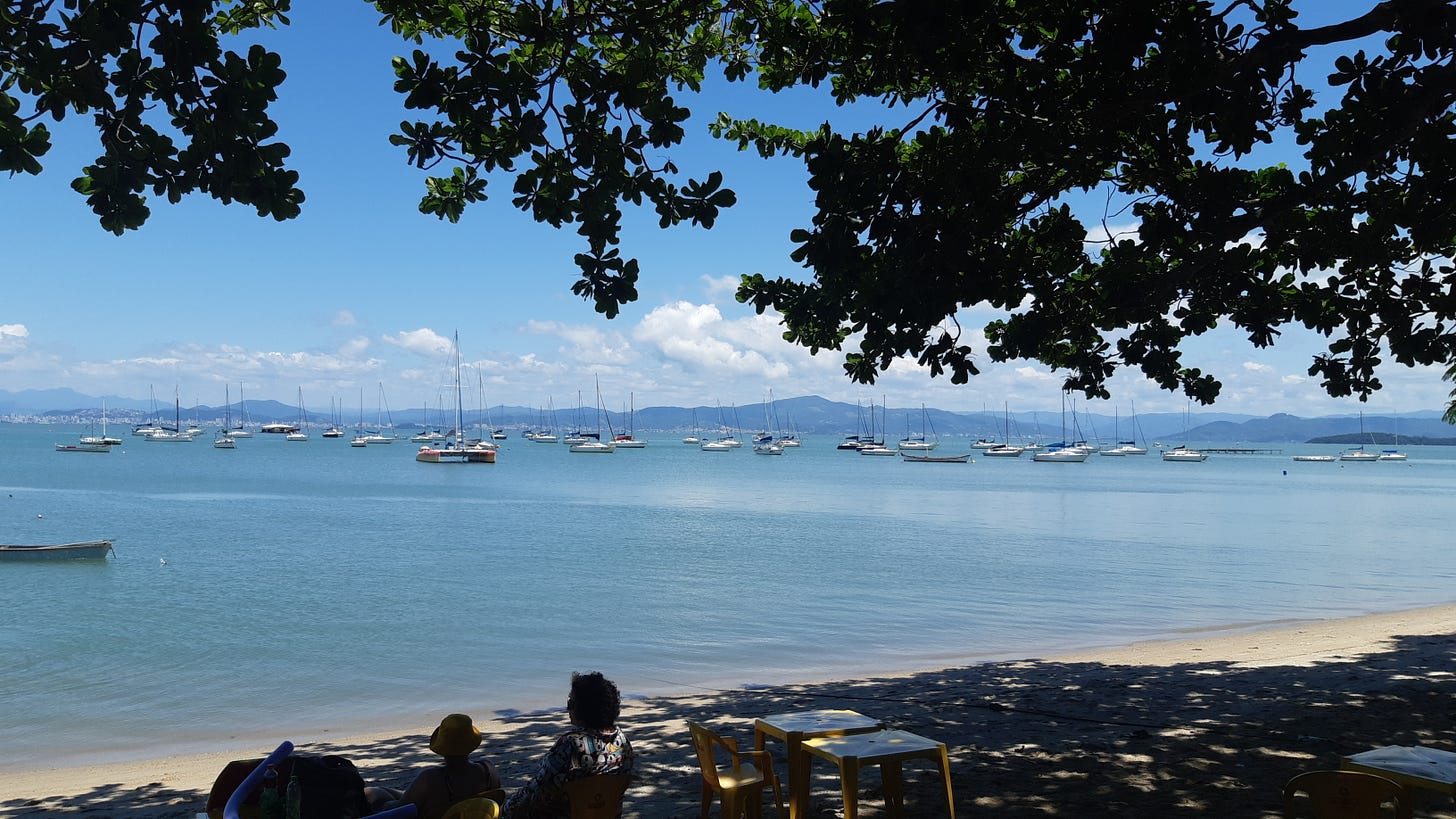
459, 408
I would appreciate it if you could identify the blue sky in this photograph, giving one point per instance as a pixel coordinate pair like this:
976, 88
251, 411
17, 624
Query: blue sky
362, 289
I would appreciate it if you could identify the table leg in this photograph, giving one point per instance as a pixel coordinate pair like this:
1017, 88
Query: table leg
944, 762
849, 774
798, 776
892, 782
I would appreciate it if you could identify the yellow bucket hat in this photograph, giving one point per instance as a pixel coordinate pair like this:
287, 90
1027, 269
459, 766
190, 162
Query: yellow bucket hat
456, 736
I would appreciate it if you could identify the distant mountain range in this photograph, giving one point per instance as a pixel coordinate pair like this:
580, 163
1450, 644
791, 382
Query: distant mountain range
806, 415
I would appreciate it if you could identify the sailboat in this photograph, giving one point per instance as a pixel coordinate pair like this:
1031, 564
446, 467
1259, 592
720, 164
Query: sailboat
103, 439
91, 443
918, 443
1181, 452
594, 444
578, 435
876, 446
694, 438
765, 444
298, 434
1359, 453
1385, 454
456, 451
152, 425
242, 431
380, 411
173, 435
333, 431
223, 440
1060, 452
1128, 447
1005, 450
626, 439
547, 434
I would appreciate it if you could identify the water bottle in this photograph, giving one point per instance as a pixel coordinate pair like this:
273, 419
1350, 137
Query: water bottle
293, 805
270, 801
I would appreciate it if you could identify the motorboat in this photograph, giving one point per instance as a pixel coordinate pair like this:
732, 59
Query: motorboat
1003, 451
1183, 453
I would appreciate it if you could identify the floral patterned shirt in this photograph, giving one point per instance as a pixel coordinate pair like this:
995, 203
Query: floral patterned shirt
576, 754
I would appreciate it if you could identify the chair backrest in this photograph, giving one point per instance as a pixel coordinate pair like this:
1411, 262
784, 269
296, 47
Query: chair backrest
597, 797
476, 807
1346, 795
704, 740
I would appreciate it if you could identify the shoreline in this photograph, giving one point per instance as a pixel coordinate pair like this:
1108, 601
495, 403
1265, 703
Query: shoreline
1414, 645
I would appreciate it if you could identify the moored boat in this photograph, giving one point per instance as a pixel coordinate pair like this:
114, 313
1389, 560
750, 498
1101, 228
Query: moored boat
83, 447
1184, 454
934, 459
458, 451
1071, 455
84, 550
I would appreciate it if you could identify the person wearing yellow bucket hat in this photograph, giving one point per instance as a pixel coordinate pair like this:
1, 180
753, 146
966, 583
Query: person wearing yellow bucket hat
457, 777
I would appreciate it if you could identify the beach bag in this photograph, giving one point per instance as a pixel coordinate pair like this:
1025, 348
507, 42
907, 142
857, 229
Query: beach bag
330, 788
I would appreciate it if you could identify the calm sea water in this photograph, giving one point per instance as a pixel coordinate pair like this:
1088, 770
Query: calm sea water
285, 589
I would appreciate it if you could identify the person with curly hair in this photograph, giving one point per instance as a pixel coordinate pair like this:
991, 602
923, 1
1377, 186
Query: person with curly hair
594, 746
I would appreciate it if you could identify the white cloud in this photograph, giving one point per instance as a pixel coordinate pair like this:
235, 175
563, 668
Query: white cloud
720, 288
13, 337
1255, 367
697, 338
424, 342
1293, 379
345, 318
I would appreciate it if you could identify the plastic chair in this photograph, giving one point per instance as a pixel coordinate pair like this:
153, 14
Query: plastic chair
1345, 795
597, 797
740, 784
476, 807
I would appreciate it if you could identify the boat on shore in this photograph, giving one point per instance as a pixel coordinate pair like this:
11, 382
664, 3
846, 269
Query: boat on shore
84, 550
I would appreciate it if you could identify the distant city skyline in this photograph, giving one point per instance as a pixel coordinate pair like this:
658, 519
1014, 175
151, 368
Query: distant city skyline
362, 289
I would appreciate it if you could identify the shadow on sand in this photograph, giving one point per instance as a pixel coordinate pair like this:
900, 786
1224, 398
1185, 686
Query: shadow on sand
1027, 739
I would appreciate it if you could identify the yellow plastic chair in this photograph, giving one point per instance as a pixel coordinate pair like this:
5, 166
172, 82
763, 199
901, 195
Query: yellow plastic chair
1345, 795
597, 797
476, 807
740, 784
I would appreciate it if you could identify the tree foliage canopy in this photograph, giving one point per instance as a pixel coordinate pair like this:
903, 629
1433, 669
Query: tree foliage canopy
998, 116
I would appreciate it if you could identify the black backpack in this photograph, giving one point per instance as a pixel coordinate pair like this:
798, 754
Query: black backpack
330, 788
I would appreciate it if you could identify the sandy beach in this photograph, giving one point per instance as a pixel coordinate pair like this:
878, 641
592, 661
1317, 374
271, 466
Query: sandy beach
1211, 724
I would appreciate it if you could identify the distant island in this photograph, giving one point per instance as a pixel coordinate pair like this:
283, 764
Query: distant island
1382, 439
